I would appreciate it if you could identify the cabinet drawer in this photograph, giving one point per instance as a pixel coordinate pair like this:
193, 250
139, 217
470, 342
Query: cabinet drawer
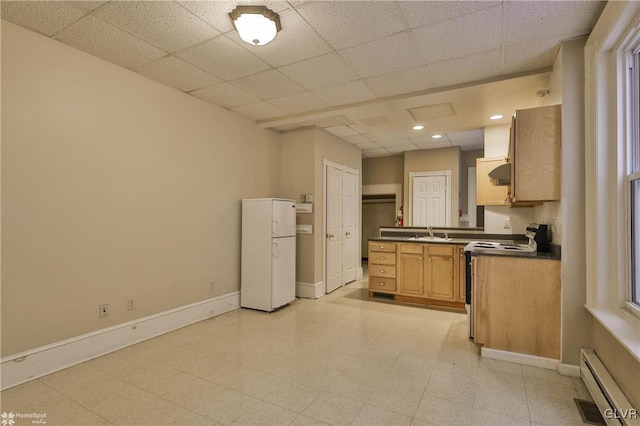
381, 258
441, 250
382, 284
411, 248
385, 247
385, 271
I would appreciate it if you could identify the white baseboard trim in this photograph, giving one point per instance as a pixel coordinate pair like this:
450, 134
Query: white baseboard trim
569, 370
38, 362
517, 358
309, 290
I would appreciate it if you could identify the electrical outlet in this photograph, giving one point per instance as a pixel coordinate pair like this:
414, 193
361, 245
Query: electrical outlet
506, 224
131, 304
103, 310
212, 285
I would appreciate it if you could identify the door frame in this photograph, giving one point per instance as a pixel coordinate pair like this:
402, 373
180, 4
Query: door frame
447, 207
325, 164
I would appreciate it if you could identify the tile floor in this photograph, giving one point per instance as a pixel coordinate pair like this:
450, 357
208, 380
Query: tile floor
341, 359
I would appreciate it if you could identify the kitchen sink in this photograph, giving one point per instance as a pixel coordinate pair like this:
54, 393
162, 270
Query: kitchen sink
441, 239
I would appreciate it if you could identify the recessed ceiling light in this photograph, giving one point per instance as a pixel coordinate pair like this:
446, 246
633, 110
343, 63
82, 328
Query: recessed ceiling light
436, 136
496, 117
418, 127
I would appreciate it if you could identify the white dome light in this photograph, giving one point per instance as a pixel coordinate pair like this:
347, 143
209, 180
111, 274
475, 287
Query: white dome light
256, 25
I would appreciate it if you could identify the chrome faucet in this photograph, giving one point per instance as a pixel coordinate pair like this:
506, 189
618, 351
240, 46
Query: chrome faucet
430, 229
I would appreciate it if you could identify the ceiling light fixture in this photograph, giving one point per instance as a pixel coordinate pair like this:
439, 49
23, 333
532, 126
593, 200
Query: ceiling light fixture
418, 127
436, 136
496, 117
256, 25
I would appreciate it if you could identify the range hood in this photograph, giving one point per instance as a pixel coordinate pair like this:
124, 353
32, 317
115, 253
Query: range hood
501, 175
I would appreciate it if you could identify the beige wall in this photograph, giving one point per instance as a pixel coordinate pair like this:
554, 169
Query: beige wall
576, 321
114, 187
297, 178
434, 160
383, 170
624, 368
303, 153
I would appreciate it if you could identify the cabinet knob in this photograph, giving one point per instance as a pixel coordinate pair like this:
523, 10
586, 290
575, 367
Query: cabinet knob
381, 257
420, 258
382, 271
429, 259
381, 247
381, 284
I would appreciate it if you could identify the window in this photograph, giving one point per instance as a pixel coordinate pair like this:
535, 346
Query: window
633, 182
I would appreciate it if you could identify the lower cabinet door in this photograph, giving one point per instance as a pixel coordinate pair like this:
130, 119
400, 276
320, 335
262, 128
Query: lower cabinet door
410, 274
440, 271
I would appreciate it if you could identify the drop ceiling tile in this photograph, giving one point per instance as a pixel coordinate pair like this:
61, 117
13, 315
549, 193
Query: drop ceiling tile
163, 23
104, 40
468, 35
259, 111
530, 55
321, 71
295, 42
529, 20
432, 144
430, 112
217, 12
467, 135
47, 18
394, 143
375, 153
225, 95
355, 91
177, 73
401, 149
322, 122
300, 102
400, 82
87, 5
374, 58
421, 13
368, 145
465, 70
345, 23
356, 139
268, 85
428, 140
223, 58
341, 131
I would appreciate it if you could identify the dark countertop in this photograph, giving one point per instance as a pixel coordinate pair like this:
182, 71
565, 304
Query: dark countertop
554, 254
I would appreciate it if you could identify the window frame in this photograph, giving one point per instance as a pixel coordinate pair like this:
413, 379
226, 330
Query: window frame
628, 165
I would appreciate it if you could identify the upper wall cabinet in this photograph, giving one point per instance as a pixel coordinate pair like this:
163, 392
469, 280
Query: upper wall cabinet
488, 194
535, 149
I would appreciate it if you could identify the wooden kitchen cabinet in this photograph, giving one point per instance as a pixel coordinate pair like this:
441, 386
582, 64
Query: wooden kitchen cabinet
410, 269
488, 194
535, 152
402, 270
382, 267
516, 304
440, 271
462, 274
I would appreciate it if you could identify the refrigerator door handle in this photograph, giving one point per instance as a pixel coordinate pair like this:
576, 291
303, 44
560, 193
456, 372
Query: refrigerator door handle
274, 250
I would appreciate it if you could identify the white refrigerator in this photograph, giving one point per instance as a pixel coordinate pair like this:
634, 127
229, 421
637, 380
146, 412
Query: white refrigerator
268, 272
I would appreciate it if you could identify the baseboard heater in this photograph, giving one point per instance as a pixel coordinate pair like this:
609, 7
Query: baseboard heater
614, 406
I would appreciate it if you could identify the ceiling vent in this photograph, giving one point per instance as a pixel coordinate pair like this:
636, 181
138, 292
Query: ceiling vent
429, 112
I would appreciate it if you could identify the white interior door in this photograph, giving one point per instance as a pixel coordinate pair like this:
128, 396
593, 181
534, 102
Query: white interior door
429, 200
349, 228
334, 228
